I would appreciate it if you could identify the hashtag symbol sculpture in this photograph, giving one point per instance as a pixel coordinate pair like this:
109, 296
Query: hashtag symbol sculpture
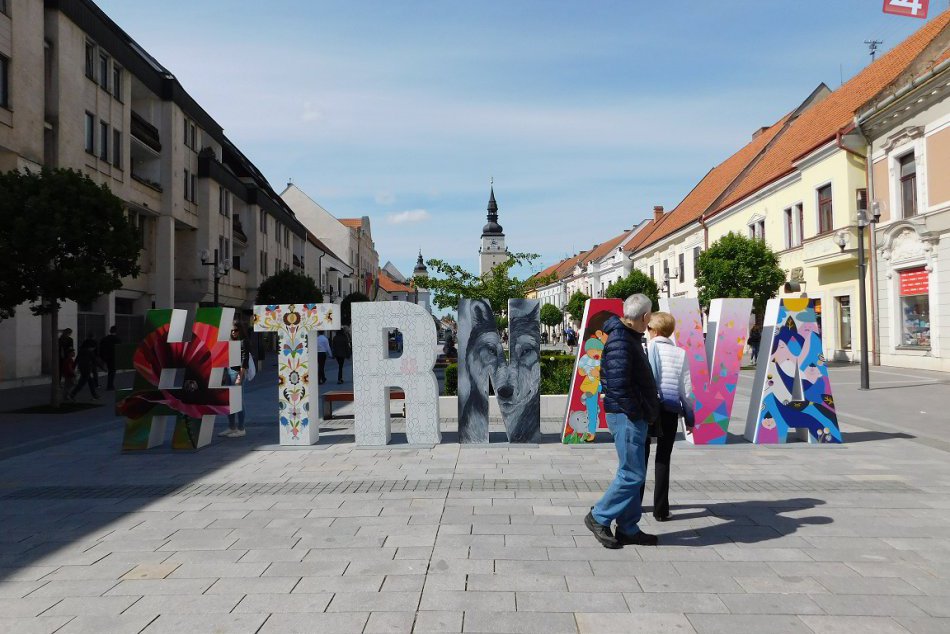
178, 381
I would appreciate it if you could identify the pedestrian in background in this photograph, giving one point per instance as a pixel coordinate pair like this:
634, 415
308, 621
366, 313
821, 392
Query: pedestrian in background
87, 361
236, 375
67, 373
342, 349
630, 402
66, 344
107, 354
755, 338
671, 373
323, 350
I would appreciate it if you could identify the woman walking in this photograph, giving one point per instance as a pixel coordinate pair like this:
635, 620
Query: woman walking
341, 350
236, 376
671, 372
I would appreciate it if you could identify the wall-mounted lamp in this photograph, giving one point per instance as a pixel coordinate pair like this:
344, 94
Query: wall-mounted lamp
841, 239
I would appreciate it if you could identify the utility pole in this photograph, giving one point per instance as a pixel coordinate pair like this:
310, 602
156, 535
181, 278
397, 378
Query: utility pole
872, 47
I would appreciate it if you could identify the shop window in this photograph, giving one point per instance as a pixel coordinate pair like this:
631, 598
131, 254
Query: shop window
915, 308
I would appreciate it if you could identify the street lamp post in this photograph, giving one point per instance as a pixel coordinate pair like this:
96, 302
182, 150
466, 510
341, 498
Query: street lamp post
863, 222
220, 269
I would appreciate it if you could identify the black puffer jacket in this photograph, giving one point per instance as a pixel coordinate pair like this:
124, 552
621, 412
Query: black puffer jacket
625, 374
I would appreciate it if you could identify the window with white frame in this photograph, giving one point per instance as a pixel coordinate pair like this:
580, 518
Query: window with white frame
757, 229
91, 60
794, 217
908, 185
696, 252
826, 221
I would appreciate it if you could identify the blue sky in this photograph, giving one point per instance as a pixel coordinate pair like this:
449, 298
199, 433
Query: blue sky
585, 113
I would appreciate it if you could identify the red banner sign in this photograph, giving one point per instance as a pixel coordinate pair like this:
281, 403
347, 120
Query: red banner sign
908, 8
915, 282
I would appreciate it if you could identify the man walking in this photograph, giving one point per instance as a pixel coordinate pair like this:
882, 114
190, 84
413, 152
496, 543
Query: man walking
341, 349
630, 402
323, 351
107, 354
86, 361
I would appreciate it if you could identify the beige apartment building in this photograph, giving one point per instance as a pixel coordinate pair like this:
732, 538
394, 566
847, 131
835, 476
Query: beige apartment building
108, 108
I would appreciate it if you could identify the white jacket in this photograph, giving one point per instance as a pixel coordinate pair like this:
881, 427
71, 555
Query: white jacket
673, 373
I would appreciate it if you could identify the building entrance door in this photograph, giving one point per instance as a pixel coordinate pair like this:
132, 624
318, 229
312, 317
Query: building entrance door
844, 322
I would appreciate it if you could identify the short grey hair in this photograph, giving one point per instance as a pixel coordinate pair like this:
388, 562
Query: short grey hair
636, 306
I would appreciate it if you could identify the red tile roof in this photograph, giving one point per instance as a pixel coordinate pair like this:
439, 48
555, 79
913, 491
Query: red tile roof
390, 285
712, 187
819, 124
601, 250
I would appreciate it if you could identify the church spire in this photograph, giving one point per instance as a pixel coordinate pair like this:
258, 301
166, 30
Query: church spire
420, 267
492, 228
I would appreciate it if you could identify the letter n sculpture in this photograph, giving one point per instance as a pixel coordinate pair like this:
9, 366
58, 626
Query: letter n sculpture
297, 388
714, 360
792, 388
178, 381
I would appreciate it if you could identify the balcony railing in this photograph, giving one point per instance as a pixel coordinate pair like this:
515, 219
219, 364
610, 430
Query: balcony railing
145, 132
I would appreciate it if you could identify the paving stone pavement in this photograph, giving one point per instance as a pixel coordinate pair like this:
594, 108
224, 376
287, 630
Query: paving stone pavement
244, 537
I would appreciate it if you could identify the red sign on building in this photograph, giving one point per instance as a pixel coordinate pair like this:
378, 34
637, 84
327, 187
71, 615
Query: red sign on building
908, 8
915, 282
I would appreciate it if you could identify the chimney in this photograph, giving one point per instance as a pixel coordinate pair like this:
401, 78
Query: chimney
756, 134
657, 213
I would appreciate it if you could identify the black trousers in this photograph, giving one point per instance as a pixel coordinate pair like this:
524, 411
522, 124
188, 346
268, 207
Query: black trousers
340, 362
110, 376
321, 366
669, 421
92, 378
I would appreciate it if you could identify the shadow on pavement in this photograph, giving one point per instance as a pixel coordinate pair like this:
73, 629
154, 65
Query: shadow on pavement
869, 436
749, 522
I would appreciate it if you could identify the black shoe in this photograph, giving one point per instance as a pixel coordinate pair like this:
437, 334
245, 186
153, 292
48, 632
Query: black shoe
637, 539
601, 533
661, 518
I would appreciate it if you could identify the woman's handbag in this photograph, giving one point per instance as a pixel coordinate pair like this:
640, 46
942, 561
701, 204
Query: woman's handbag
251, 368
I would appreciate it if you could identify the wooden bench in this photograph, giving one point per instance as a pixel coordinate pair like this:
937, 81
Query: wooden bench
343, 396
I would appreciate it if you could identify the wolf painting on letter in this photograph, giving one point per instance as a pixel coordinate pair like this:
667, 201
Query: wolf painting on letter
482, 360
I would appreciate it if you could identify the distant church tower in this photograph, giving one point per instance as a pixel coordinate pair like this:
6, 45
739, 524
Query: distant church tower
420, 267
492, 252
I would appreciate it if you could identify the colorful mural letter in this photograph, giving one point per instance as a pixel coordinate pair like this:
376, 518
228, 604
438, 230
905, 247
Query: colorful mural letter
374, 372
585, 413
482, 361
297, 396
714, 359
178, 381
792, 388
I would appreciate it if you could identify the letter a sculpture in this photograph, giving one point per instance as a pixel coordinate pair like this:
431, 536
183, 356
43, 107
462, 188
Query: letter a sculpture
792, 388
178, 381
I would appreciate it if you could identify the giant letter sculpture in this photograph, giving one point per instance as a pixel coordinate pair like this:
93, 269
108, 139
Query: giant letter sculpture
374, 372
714, 361
482, 359
585, 412
792, 388
178, 381
298, 396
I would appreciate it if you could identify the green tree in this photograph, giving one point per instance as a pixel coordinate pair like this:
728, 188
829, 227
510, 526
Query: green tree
450, 282
551, 315
736, 266
64, 238
635, 282
289, 287
575, 305
346, 316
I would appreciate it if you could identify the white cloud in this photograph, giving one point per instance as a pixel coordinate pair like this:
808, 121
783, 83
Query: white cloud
310, 113
407, 217
385, 198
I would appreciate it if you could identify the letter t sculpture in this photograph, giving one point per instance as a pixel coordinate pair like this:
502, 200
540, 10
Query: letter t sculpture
297, 388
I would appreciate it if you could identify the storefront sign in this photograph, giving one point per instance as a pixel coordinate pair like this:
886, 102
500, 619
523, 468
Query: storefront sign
915, 282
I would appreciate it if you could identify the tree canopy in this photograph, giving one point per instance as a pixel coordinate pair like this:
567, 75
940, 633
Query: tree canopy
551, 315
736, 266
346, 314
575, 305
64, 238
289, 287
635, 282
450, 282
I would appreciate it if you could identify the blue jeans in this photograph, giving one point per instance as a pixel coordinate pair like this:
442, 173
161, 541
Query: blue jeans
621, 502
236, 421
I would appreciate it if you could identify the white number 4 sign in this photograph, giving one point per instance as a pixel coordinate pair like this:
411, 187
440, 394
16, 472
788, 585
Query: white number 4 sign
911, 8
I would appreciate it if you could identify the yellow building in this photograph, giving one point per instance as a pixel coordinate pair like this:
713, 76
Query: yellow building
803, 194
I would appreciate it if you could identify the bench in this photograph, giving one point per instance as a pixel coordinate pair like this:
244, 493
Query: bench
343, 396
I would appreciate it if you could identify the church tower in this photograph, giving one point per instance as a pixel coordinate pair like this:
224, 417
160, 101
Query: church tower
493, 251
